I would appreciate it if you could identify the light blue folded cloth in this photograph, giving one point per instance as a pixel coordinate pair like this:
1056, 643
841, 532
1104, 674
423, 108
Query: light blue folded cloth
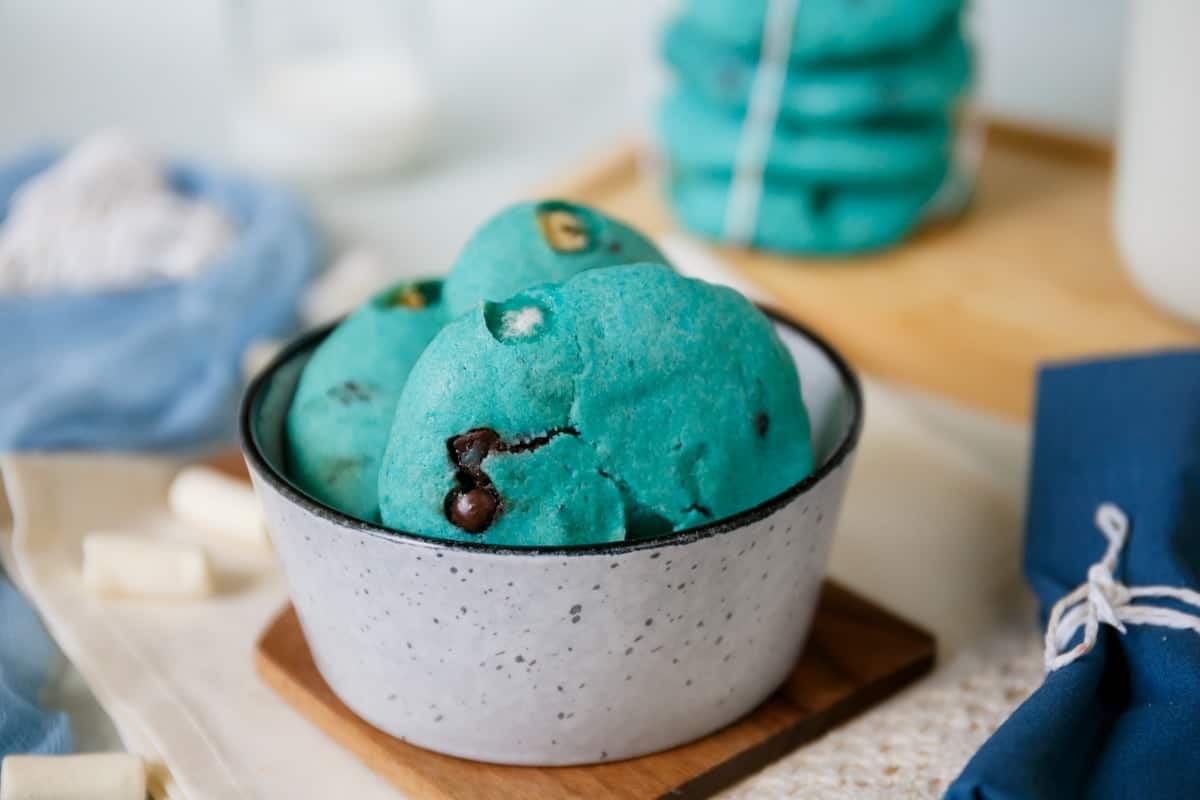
26, 655
155, 367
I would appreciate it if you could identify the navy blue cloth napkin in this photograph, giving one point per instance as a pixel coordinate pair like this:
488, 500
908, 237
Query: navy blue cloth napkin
1122, 720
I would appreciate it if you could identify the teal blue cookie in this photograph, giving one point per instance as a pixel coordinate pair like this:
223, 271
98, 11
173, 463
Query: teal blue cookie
924, 82
827, 30
626, 402
810, 218
532, 243
700, 137
342, 411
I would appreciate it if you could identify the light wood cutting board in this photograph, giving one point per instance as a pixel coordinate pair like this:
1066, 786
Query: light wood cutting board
967, 309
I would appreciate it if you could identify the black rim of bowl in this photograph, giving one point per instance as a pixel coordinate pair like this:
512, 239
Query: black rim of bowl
253, 454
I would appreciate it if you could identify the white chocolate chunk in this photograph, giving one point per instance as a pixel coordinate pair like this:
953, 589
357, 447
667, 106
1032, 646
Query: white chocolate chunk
213, 501
115, 564
93, 776
521, 322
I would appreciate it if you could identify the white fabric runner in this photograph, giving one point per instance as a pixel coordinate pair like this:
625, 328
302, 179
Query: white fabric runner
177, 680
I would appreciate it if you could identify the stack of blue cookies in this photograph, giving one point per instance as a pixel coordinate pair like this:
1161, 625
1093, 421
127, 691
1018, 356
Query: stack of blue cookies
863, 135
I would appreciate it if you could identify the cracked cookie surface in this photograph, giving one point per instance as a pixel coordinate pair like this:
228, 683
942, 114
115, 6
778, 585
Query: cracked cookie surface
641, 403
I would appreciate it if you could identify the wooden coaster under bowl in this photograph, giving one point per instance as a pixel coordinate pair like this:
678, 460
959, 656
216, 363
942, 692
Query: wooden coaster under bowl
857, 655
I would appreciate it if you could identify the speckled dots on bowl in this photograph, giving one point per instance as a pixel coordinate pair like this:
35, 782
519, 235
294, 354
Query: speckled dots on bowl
555, 657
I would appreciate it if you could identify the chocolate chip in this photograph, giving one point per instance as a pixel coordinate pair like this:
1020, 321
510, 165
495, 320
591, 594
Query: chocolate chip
472, 510
474, 503
761, 423
351, 392
467, 450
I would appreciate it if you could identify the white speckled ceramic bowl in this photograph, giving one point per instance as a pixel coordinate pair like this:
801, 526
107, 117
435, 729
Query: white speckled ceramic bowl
558, 656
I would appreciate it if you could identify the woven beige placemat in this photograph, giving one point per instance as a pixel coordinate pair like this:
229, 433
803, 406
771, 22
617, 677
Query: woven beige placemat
916, 745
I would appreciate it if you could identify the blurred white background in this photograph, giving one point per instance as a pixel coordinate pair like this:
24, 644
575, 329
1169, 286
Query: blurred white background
524, 87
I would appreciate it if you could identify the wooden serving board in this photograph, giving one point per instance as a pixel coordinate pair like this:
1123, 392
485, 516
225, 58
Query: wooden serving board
968, 309
857, 655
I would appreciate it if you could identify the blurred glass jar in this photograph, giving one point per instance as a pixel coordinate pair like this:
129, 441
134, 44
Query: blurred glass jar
330, 90
1157, 209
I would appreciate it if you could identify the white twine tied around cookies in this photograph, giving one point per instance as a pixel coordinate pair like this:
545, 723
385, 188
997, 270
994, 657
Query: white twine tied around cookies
1104, 599
762, 112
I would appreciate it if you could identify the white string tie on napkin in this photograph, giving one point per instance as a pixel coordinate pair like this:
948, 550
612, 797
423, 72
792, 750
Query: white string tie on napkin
762, 111
1104, 599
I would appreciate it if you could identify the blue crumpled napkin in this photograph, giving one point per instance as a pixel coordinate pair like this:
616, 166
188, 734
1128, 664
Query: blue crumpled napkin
26, 656
155, 367
1122, 720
